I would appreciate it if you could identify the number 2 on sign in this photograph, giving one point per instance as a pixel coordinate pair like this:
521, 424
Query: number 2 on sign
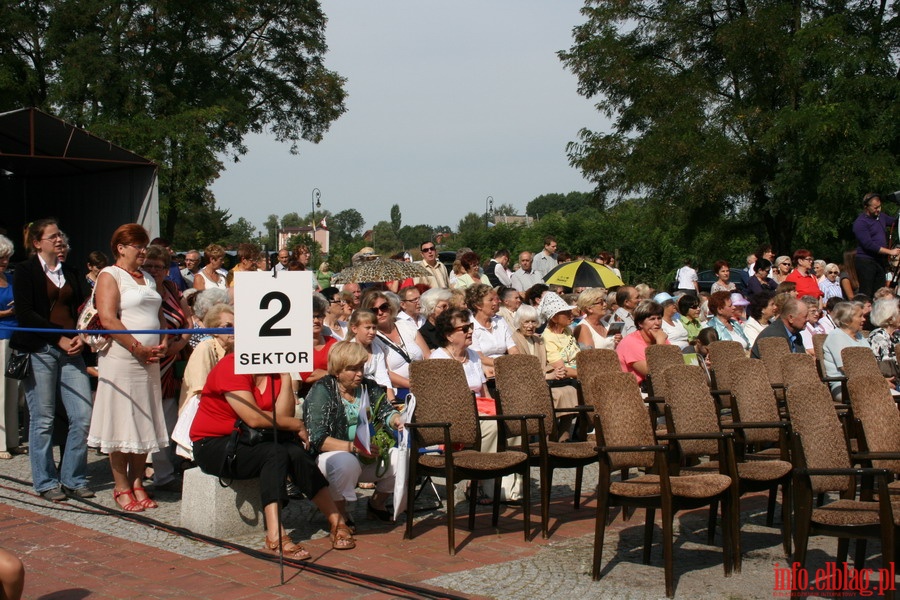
267, 329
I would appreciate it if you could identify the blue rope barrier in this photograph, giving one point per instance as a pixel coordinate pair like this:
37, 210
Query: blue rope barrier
210, 330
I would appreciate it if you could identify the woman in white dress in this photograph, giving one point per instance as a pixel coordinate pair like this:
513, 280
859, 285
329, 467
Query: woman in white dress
128, 420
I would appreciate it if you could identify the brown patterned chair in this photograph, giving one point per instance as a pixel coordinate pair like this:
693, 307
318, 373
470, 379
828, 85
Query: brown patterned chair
772, 351
690, 410
659, 358
876, 412
597, 360
522, 390
819, 349
859, 361
626, 440
799, 368
721, 354
446, 414
822, 464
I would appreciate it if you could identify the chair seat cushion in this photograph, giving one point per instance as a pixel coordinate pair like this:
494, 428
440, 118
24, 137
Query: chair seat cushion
847, 512
761, 470
765, 454
471, 459
572, 450
686, 486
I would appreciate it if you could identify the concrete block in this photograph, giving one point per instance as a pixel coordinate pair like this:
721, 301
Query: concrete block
210, 509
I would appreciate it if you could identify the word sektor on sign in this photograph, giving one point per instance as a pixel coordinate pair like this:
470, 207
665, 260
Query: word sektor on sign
273, 322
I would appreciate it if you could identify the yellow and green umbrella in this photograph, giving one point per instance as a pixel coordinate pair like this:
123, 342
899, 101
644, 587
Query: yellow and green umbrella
583, 273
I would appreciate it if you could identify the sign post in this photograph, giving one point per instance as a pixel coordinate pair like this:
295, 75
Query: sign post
273, 322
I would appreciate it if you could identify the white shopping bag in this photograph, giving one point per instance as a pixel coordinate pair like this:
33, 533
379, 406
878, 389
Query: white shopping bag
181, 434
401, 459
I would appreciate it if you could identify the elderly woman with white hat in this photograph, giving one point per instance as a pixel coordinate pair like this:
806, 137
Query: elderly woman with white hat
562, 348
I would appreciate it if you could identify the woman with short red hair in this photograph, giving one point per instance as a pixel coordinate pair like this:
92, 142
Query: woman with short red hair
128, 421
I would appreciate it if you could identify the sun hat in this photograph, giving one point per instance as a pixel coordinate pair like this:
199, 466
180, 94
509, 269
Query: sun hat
663, 297
738, 300
552, 304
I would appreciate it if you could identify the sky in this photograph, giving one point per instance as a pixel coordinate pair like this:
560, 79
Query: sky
448, 103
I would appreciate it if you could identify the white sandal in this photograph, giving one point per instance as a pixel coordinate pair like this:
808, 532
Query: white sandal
4, 455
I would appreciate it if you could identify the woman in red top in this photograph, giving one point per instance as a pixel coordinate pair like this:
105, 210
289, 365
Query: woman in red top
227, 397
807, 284
321, 346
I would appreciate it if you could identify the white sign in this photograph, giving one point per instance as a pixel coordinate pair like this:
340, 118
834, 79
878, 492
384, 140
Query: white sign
273, 322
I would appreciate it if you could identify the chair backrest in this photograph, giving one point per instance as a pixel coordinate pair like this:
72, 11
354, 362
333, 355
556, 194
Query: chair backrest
721, 353
624, 420
876, 409
443, 396
819, 347
597, 360
799, 368
692, 408
859, 361
754, 399
523, 391
814, 418
772, 350
659, 358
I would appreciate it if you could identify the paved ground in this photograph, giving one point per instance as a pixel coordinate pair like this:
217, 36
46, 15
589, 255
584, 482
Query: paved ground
78, 550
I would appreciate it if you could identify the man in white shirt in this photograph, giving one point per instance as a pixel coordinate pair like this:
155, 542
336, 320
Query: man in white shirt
545, 260
525, 277
191, 267
284, 258
409, 306
437, 272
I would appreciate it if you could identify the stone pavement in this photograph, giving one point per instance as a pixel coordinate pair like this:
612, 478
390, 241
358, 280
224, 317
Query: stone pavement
78, 550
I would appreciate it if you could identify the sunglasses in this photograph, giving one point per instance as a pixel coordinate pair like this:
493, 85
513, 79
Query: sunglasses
464, 328
382, 308
432, 249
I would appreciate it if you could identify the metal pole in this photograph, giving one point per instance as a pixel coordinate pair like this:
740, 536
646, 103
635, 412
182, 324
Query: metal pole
488, 209
316, 195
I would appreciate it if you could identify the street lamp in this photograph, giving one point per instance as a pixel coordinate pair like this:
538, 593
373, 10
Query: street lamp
316, 195
488, 209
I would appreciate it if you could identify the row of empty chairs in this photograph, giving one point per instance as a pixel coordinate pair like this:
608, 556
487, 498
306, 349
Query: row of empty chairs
745, 429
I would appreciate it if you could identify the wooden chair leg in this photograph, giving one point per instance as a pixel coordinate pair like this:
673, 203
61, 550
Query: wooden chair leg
451, 537
668, 563
859, 558
843, 550
770, 508
473, 500
786, 516
648, 534
546, 483
711, 523
495, 505
526, 499
599, 532
579, 471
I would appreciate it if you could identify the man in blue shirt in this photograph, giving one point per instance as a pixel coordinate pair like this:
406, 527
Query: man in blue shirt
871, 231
788, 326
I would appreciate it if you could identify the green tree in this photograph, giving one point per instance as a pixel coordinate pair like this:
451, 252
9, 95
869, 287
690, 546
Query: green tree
239, 232
396, 221
566, 203
292, 219
346, 225
202, 226
270, 230
784, 113
182, 83
384, 241
506, 210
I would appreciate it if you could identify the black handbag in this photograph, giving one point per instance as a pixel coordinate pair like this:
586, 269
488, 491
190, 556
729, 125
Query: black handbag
250, 436
19, 364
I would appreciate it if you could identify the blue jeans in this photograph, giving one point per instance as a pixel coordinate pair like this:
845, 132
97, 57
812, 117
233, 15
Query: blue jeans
55, 372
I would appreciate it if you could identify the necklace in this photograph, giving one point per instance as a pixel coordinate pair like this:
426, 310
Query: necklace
136, 274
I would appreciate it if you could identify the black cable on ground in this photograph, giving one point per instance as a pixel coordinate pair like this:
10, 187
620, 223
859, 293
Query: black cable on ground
363, 580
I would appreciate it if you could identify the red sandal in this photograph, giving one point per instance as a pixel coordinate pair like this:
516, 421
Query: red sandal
133, 506
147, 502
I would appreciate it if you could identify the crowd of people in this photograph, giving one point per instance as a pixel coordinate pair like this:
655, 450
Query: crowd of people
125, 395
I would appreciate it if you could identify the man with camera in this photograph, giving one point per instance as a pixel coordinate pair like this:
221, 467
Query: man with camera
871, 231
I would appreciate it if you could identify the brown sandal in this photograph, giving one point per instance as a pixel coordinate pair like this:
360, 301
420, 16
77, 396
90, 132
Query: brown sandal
342, 538
291, 550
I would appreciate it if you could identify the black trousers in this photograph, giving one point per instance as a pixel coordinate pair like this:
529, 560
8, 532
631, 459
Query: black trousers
270, 462
870, 274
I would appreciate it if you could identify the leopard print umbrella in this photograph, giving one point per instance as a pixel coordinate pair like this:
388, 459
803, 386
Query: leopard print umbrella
379, 269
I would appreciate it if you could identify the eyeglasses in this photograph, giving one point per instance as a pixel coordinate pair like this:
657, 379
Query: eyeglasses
464, 328
806, 258
416, 299
432, 249
335, 302
382, 308
138, 248
52, 238
155, 267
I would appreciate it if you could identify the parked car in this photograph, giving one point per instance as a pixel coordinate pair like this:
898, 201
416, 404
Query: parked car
705, 279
